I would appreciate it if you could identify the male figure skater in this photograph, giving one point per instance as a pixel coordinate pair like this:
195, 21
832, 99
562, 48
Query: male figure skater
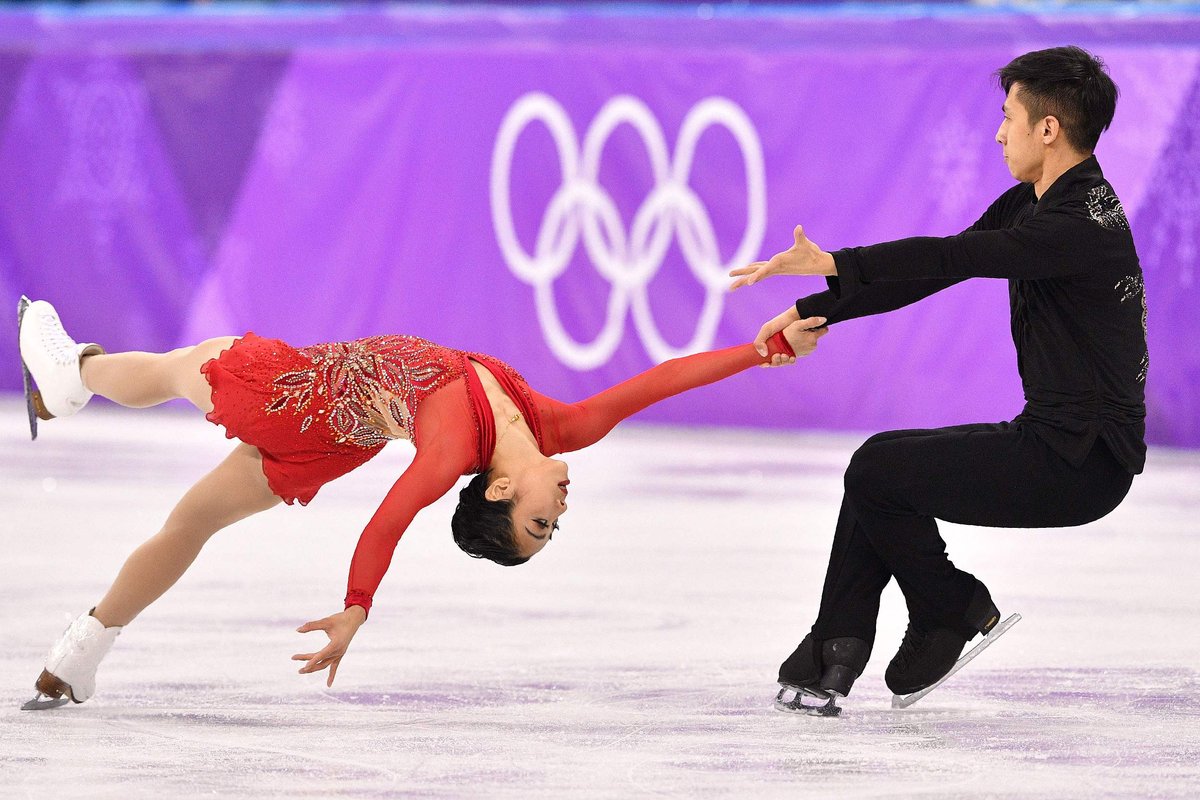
1077, 301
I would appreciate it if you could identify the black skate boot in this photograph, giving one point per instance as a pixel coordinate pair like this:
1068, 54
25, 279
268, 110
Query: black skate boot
824, 669
842, 660
928, 652
801, 672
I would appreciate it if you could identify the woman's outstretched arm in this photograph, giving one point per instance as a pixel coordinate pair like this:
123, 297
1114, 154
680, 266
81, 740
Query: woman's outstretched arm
578, 425
432, 473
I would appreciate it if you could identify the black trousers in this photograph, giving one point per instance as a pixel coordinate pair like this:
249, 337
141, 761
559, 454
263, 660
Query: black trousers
900, 483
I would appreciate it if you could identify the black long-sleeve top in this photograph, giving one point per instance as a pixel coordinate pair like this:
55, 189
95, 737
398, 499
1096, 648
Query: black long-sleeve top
1076, 296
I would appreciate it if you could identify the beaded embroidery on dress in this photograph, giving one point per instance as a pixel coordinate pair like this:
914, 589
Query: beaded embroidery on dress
351, 385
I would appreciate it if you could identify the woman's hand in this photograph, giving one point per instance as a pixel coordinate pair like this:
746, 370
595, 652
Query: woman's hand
340, 628
802, 258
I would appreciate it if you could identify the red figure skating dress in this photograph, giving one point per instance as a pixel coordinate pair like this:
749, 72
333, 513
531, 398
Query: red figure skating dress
315, 413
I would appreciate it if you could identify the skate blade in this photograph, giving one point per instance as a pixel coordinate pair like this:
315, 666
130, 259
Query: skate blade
797, 705
808, 691
906, 700
53, 689
34, 407
38, 704
26, 378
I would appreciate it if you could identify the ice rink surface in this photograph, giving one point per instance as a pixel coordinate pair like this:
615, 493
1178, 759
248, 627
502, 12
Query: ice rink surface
635, 657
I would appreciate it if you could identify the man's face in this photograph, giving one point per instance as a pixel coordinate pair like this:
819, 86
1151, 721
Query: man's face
1021, 138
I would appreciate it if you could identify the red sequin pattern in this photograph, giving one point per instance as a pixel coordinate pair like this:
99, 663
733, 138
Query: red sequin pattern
364, 389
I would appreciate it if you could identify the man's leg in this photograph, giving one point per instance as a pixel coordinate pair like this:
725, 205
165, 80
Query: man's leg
832, 656
856, 575
995, 475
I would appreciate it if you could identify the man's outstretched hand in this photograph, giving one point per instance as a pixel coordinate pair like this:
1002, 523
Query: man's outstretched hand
802, 258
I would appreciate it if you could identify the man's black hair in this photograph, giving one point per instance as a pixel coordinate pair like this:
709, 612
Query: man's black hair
483, 528
1067, 83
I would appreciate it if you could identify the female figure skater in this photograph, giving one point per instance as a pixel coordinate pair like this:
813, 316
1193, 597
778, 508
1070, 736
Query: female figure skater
306, 416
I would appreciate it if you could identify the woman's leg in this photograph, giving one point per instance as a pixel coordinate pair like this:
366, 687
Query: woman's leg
138, 380
236, 489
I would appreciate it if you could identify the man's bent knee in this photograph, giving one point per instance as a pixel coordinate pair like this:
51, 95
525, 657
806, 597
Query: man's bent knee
870, 470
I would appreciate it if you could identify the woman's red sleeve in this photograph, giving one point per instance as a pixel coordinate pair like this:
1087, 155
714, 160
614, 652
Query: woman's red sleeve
586, 422
432, 473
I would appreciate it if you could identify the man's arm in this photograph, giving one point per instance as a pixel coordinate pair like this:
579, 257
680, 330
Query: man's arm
877, 298
837, 304
1054, 243
874, 299
804, 257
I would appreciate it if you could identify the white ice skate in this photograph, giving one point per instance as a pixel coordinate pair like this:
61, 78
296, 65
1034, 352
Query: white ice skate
50, 360
70, 671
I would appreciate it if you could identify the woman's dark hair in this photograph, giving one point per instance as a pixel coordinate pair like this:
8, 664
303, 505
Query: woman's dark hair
1067, 83
483, 528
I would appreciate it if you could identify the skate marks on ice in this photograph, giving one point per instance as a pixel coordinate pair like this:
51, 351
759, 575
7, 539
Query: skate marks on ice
594, 672
226, 748
626, 733
1102, 732
354, 743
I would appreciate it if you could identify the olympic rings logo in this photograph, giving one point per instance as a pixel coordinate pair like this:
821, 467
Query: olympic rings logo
581, 209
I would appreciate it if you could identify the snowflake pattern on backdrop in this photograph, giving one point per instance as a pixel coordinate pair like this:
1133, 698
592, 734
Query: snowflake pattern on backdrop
1105, 209
954, 166
286, 131
1133, 287
1170, 224
104, 169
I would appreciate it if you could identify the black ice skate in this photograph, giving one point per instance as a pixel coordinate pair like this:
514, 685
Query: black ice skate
825, 675
929, 655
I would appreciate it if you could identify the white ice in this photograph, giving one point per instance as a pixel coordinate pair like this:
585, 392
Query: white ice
635, 657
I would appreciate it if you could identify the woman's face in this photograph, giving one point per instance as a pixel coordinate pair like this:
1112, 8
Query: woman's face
539, 499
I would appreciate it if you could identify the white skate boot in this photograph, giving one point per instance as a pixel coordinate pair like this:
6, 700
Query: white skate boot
50, 359
72, 662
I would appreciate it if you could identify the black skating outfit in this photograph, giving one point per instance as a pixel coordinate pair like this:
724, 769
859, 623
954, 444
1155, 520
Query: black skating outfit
1078, 321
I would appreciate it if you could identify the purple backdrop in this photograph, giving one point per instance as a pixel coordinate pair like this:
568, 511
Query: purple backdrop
322, 175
